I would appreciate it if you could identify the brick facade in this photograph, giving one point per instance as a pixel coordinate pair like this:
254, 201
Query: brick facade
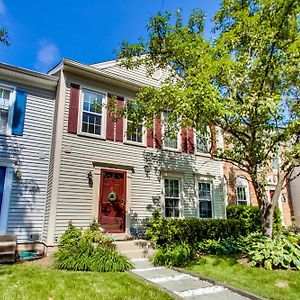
232, 172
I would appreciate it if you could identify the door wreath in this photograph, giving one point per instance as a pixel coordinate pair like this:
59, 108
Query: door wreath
112, 196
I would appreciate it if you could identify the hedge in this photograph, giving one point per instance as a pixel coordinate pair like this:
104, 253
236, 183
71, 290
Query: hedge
164, 231
250, 218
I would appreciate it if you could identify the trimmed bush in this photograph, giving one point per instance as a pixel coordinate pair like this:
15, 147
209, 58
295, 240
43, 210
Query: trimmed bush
250, 218
163, 231
173, 255
222, 247
88, 251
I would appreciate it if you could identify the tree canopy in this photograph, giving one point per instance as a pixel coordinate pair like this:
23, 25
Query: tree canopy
245, 81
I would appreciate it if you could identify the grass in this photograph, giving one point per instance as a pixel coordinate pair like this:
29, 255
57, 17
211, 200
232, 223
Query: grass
32, 281
276, 284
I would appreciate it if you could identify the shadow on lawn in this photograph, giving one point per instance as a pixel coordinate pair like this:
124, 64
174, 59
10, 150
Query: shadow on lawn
228, 260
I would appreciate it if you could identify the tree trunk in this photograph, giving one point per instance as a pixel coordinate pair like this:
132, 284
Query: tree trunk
266, 217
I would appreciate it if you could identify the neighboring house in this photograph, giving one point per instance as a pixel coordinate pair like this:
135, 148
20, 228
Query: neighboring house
27, 101
295, 194
100, 170
239, 190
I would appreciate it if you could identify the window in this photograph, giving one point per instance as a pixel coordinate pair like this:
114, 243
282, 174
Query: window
169, 138
205, 199
203, 141
134, 131
5, 109
92, 103
242, 191
172, 192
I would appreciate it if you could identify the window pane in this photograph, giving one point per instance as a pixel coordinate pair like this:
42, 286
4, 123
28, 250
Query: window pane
205, 210
92, 101
171, 208
202, 141
170, 141
134, 132
3, 121
4, 99
171, 197
91, 123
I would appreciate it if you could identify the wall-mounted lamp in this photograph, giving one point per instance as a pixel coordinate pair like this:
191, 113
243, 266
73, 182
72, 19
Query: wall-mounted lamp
18, 174
90, 178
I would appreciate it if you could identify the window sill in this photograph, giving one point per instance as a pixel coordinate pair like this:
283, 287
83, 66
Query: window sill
203, 154
138, 144
93, 136
171, 149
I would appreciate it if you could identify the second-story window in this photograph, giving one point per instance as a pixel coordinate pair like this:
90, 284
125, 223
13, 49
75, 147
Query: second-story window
134, 132
203, 142
5, 108
92, 104
170, 138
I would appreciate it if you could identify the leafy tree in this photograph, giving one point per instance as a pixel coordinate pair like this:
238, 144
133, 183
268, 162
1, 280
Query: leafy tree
4, 37
245, 82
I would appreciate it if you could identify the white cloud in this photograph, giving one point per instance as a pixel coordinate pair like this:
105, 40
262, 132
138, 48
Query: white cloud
2, 8
47, 56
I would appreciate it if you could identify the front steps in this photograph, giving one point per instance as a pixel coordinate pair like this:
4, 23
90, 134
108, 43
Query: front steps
135, 248
8, 246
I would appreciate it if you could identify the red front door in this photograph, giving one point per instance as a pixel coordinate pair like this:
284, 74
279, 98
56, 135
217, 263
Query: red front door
112, 201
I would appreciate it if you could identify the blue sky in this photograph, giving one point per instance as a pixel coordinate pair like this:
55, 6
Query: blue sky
42, 32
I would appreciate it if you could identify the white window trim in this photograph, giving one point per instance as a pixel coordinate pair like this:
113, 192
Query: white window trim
144, 131
247, 190
6, 195
171, 177
210, 181
208, 146
104, 113
12, 100
163, 137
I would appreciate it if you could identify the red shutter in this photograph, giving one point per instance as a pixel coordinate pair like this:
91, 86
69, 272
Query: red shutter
184, 140
110, 124
73, 108
190, 141
150, 138
158, 139
120, 122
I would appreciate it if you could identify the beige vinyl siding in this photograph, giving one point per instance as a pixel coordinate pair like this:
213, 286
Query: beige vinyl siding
75, 195
31, 152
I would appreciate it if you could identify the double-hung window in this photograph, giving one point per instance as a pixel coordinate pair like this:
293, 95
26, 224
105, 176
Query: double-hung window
6, 106
170, 138
172, 198
205, 199
242, 191
203, 141
134, 132
92, 112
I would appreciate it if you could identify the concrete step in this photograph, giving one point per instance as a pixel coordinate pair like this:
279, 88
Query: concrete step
8, 246
8, 238
135, 248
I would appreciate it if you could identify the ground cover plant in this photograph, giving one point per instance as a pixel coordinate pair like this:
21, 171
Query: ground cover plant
88, 250
271, 284
32, 281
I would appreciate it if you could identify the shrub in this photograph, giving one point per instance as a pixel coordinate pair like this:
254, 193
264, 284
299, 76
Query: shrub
221, 247
173, 255
275, 253
250, 218
88, 251
165, 231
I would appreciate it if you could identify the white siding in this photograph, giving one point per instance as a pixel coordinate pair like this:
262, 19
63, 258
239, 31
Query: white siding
31, 151
75, 195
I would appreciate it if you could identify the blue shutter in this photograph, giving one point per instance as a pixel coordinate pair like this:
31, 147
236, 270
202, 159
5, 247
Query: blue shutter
19, 113
2, 178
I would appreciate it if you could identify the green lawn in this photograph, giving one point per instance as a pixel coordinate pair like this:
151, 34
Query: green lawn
277, 284
32, 281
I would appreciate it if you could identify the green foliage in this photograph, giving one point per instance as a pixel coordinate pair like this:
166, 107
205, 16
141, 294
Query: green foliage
245, 81
221, 247
88, 251
176, 255
249, 217
275, 253
163, 231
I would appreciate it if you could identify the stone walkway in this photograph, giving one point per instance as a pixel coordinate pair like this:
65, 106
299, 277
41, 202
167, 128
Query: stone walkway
181, 285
